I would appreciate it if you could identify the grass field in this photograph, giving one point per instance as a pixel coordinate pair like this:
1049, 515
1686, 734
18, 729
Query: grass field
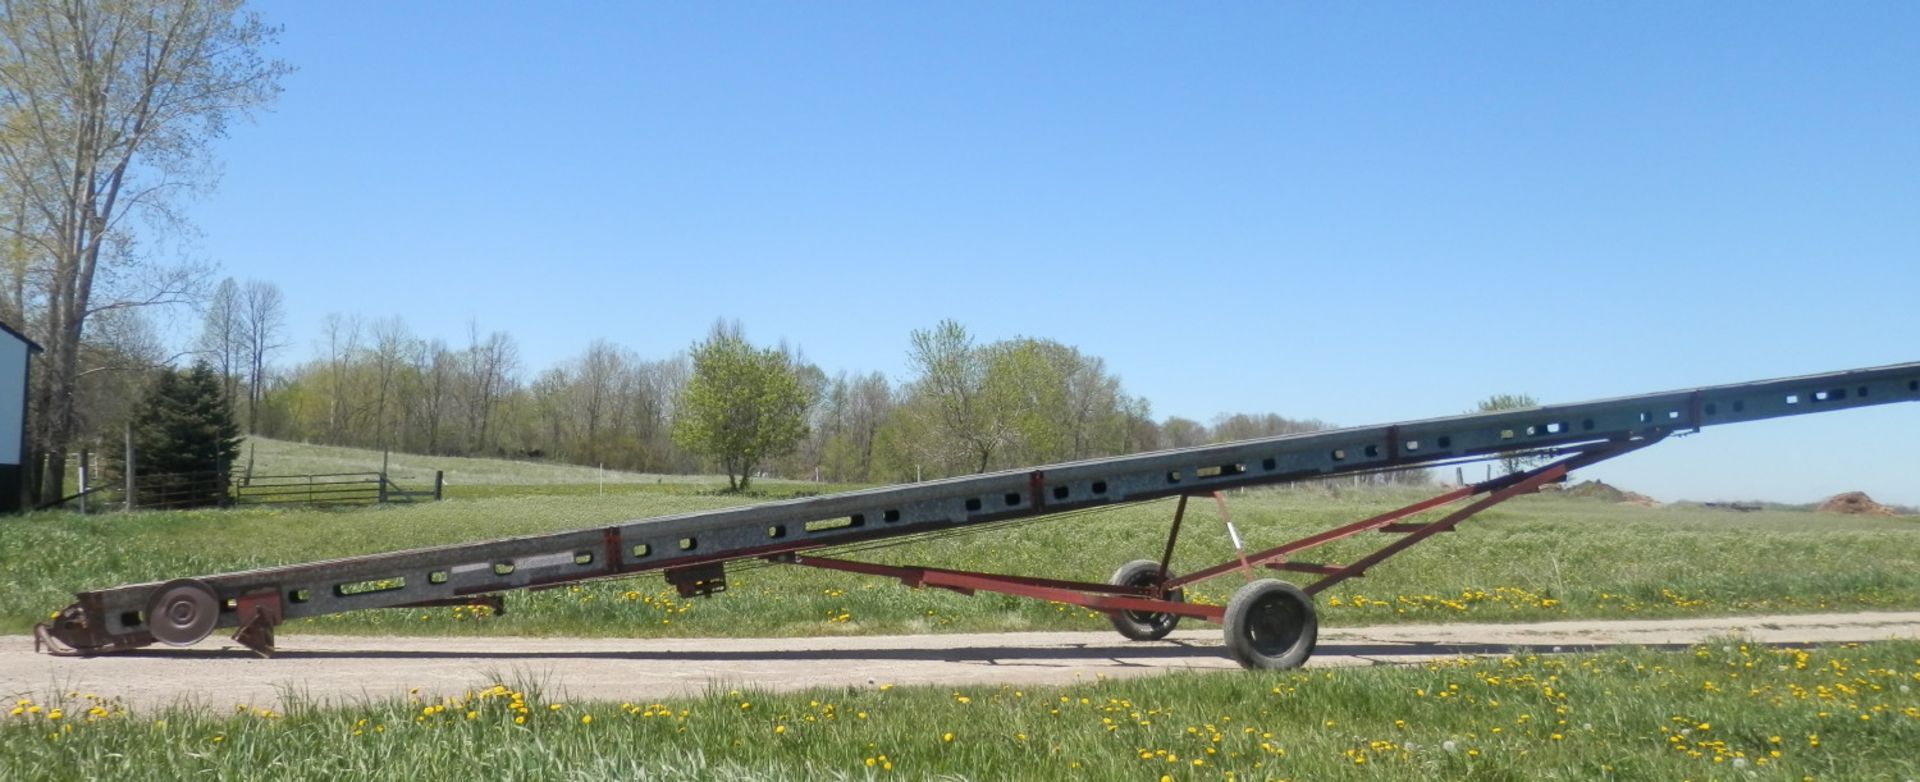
282, 457
1537, 558
1724, 710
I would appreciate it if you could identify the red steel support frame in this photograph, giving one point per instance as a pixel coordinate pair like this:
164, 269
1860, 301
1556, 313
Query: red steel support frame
1109, 597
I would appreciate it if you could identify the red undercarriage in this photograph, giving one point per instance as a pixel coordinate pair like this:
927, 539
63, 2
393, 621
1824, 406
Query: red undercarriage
1154, 599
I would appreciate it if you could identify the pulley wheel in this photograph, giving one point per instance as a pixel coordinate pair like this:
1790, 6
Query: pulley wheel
183, 612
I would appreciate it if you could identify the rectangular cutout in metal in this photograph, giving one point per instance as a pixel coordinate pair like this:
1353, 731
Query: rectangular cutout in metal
370, 586
838, 522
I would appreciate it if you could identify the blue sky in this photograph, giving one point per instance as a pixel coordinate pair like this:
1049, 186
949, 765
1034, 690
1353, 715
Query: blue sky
1354, 212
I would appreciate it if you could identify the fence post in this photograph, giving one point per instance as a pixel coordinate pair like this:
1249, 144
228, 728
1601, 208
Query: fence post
130, 467
439, 480
83, 481
382, 499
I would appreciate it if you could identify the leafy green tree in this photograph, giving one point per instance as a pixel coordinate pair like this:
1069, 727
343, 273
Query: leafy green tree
742, 406
1511, 461
185, 439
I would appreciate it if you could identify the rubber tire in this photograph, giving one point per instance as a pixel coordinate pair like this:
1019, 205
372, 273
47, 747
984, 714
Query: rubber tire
183, 612
1271, 625
1139, 625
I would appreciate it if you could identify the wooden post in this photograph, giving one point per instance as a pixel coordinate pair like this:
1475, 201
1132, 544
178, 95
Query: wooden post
439, 480
130, 466
383, 476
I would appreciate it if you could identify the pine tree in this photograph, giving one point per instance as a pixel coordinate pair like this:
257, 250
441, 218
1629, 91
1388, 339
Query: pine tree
185, 440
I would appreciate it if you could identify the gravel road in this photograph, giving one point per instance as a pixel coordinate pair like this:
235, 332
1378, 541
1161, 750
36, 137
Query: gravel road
344, 668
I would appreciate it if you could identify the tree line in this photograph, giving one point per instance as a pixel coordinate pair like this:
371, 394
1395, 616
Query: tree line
724, 404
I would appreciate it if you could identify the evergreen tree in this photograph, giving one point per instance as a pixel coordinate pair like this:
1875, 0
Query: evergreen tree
185, 440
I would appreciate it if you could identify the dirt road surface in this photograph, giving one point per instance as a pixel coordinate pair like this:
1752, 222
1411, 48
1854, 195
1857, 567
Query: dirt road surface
220, 675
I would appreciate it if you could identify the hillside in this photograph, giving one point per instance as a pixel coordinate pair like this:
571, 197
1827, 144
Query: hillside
282, 457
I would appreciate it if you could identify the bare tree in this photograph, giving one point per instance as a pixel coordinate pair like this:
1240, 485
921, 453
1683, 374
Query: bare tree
491, 364
222, 335
340, 336
263, 319
394, 350
439, 371
109, 108
597, 383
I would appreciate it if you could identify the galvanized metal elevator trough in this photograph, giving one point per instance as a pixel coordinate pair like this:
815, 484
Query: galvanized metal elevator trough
1269, 623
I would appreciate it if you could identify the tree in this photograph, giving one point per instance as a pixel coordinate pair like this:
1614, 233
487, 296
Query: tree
184, 439
487, 379
953, 387
1511, 461
743, 405
222, 334
107, 111
262, 318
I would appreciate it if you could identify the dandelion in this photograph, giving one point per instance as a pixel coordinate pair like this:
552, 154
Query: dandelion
586, 719
946, 738
779, 729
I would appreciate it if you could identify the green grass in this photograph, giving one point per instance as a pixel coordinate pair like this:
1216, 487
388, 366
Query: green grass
1723, 710
414, 471
1538, 558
